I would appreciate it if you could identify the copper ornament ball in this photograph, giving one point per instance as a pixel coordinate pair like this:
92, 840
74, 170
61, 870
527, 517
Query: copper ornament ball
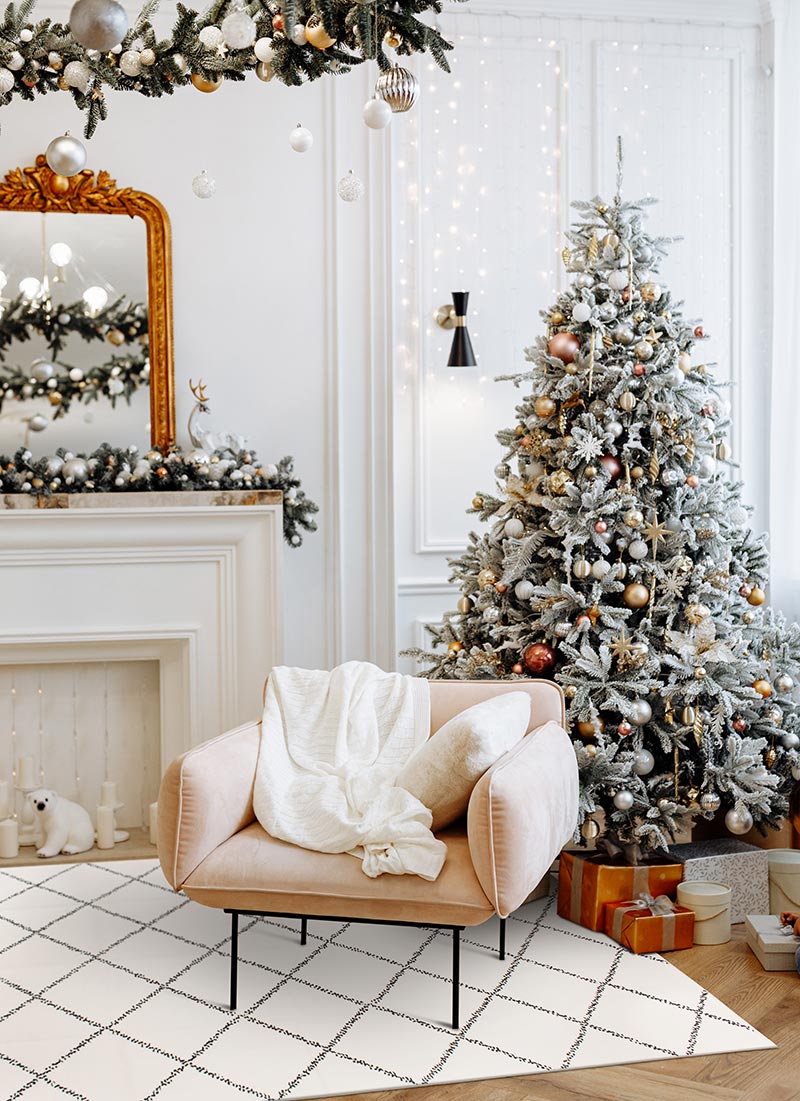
699, 331
517, 668
739, 724
763, 687
693, 481
204, 85
611, 465
590, 728
624, 728
539, 657
600, 526
756, 595
639, 369
564, 346
544, 406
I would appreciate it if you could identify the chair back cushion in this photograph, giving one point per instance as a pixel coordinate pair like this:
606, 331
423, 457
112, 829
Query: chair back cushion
445, 769
448, 697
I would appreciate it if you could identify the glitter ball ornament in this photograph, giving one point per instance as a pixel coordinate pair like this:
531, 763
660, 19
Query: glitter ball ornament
564, 346
301, 139
638, 550
211, 37
633, 517
66, 155
238, 30
130, 64
486, 577
739, 820
650, 292
98, 24
539, 657
710, 801
203, 185
350, 188
398, 87
377, 113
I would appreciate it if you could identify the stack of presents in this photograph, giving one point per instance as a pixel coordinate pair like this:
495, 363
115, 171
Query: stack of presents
690, 895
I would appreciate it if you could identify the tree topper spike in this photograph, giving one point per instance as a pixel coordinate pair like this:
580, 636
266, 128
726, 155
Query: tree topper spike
618, 196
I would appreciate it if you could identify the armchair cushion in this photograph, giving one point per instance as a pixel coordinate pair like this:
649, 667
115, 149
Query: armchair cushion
443, 771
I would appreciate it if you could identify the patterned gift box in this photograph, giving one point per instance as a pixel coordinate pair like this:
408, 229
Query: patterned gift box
587, 883
742, 867
636, 926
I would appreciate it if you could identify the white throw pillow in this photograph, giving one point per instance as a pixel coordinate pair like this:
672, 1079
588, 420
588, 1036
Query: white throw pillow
443, 771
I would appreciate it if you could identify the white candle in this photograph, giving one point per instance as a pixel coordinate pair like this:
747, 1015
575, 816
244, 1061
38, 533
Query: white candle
154, 823
26, 772
108, 794
5, 799
105, 827
9, 838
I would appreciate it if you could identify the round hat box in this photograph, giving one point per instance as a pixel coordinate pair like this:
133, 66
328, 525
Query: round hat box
784, 880
711, 903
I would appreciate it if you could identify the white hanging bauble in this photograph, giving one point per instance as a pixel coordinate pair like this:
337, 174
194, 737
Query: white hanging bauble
130, 64
239, 30
642, 712
301, 139
299, 36
15, 61
600, 568
739, 821
618, 280
581, 312
204, 185
6, 81
76, 75
524, 590
623, 800
637, 549
66, 155
98, 24
513, 527
350, 188
264, 50
377, 113
211, 37
38, 422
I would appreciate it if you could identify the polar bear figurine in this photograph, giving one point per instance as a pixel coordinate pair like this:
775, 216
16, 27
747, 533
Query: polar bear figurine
61, 826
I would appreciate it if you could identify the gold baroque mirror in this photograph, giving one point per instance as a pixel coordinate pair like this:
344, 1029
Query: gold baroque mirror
86, 346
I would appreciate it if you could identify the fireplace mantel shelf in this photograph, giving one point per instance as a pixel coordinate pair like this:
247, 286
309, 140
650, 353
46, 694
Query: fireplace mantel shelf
16, 502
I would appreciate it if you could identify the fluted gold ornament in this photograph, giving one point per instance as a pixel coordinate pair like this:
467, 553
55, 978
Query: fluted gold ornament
399, 88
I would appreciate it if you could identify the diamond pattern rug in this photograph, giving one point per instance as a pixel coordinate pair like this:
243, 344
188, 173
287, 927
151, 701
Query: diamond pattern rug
112, 986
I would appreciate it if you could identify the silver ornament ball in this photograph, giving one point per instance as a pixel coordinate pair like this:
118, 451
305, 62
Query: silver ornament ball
75, 470
42, 370
784, 683
790, 740
642, 712
398, 87
523, 590
623, 800
739, 820
643, 762
66, 156
98, 24
38, 422
710, 801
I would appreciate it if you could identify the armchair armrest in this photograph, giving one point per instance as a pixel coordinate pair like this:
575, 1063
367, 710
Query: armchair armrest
521, 812
206, 797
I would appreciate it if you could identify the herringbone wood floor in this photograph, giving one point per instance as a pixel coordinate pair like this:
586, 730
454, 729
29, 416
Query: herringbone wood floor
768, 1000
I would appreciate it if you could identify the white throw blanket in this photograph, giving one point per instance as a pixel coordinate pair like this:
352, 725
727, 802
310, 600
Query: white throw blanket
332, 744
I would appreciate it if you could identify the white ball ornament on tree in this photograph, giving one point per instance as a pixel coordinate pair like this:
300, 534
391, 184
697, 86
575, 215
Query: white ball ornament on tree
784, 683
299, 36
623, 800
204, 185
38, 422
301, 139
66, 156
350, 188
581, 312
238, 30
130, 64
643, 762
790, 740
15, 61
211, 37
377, 113
642, 712
264, 50
618, 280
739, 820
600, 569
524, 590
638, 550
98, 24
76, 75
513, 527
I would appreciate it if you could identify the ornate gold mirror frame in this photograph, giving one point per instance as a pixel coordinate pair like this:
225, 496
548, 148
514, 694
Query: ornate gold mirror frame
41, 190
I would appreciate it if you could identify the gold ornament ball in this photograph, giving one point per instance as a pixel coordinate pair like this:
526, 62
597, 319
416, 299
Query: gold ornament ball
392, 39
590, 830
115, 337
636, 595
637, 472
696, 613
747, 617
763, 687
557, 318
317, 35
591, 750
465, 604
590, 472
477, 502
544, 407
54, 398
688, 716
633, 518
757, 596
627, 401
590, 728
700, 672
650, 292
770, 757
664, 804
486, 578
455, 647
520, 430
147, 57
559, 481
203, 85
570, 691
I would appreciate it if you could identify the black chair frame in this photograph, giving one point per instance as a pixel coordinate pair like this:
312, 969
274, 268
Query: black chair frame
456, 930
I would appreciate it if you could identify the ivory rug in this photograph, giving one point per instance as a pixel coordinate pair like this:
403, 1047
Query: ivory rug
112, 986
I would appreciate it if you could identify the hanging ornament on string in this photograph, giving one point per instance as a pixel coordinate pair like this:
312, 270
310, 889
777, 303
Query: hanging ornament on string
399, 88
205, 84
98, 24
66, 155
204, 185
301, 139
350, 188
238, 29
377, 113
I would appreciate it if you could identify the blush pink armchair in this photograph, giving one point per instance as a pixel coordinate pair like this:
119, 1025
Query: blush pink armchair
521, 812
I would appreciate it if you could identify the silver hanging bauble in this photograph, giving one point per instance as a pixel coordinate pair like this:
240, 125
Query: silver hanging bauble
398, 87
41, 370
623, 334
784, 683
710, 801
643, 762
502, 470
98, 24
642, 712
607, 312
66, 156
790, 740
623, 800
38, 422
739, 820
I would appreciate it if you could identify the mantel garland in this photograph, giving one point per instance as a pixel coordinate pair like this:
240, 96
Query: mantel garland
120, 322
42, 56
110, 469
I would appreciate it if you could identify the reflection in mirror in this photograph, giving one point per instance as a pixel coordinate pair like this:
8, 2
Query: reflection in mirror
74, 366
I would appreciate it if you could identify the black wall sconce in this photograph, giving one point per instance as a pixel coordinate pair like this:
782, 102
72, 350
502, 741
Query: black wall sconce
455, 317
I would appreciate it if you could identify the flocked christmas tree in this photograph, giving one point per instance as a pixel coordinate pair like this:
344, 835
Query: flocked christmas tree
619, 559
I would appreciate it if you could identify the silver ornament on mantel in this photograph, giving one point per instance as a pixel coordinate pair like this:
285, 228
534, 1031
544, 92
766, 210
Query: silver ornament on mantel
75, 470
739, 820
66, 156
398, 87
98, 24
38, 422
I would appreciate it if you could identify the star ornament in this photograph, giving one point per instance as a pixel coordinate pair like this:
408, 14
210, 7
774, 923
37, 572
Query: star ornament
655, 533
621, 646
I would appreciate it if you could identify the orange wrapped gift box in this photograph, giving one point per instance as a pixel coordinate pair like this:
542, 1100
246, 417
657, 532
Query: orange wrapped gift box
635, 926
587, 883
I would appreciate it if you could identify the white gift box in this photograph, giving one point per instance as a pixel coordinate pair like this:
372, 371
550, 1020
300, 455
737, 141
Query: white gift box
774, 950
744, 868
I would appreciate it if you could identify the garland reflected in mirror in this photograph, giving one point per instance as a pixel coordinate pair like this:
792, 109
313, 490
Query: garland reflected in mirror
85, 314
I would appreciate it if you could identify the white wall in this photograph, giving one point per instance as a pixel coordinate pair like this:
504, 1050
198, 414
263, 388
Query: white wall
527, 124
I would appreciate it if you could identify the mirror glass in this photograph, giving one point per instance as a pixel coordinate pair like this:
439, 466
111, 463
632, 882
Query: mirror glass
74, 367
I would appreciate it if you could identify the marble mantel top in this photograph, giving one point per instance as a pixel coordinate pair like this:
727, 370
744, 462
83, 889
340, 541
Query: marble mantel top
13, 502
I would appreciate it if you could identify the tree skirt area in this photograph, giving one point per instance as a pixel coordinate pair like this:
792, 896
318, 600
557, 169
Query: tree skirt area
113, 986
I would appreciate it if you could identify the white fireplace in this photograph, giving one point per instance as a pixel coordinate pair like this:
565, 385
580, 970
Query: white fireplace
130, 633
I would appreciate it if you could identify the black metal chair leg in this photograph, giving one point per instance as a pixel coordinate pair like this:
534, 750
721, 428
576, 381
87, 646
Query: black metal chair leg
456, 974
502, 938
303, 929
234, 954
